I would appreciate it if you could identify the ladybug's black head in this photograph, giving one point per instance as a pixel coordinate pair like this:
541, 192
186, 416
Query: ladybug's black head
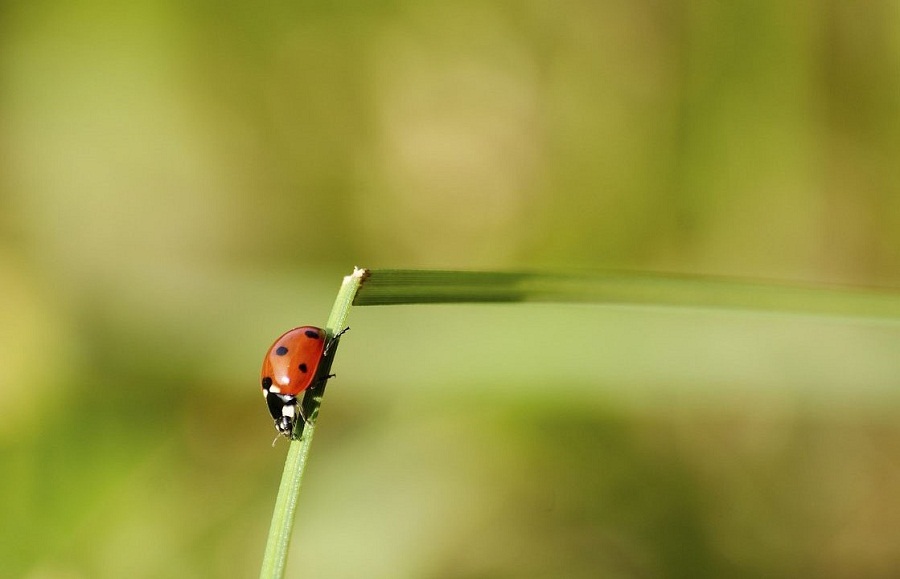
283, 408
285, 425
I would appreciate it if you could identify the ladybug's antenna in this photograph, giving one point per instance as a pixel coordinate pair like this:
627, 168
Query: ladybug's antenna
277, 436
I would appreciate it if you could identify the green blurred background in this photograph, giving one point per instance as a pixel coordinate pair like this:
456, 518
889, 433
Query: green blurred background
182, 181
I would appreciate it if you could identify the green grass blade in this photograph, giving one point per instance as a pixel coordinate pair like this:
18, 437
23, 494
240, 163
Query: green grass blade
387, 287
394, 287
275, 557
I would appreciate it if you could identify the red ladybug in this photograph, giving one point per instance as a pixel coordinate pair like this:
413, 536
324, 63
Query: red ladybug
288, 369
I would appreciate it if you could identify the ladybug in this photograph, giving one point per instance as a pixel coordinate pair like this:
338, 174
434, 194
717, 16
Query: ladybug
289, 368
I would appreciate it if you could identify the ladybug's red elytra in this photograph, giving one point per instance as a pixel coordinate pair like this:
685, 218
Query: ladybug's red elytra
288, 369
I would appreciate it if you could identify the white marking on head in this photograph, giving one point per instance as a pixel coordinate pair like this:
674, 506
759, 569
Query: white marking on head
287, 410
274, 389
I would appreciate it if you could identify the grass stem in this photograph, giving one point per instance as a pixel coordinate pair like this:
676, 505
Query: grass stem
275, 557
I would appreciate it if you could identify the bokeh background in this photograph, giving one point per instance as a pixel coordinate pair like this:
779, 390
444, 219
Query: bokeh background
182, 181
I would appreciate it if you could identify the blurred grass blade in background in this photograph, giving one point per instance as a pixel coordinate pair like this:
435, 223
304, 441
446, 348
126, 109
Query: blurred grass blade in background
395, 287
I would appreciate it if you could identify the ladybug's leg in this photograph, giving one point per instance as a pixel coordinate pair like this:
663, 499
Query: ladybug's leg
321, 381
300, 412
334, 339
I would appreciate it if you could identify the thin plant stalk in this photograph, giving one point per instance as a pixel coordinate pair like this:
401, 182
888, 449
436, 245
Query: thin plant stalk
275, 557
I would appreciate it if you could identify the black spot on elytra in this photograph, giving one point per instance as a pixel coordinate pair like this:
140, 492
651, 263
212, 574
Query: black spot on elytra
266, 382
302, 368
312, 334
281, 351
